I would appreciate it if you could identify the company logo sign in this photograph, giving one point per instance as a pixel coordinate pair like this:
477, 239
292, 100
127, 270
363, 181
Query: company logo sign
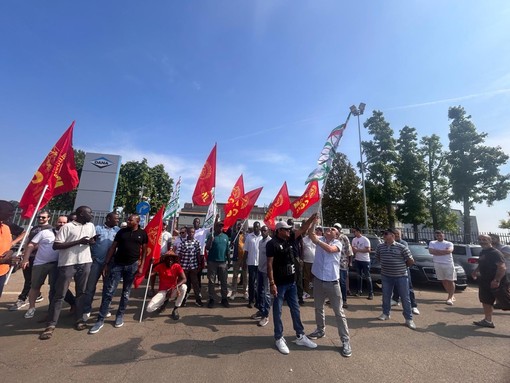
101, 162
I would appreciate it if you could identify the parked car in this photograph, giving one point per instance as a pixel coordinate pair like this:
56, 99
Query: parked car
467, 256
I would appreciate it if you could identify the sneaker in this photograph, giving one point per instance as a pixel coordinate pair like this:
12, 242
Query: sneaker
345, 305
199, 303
18, 304
108, 314
449, 302
370, 297
383, 317
484, 323
358, 293
453, 299
224, 303
263, 322
229, 293
211, 303
175, 314
119, 322
257, 316
249, 305
303, 340
410, 323
246, 296
30, 313
98, 326
318, 333
394, 303
80, 326
346, 350
85, 317
415, 311
233, 296
281, 345
306, 296
40, 298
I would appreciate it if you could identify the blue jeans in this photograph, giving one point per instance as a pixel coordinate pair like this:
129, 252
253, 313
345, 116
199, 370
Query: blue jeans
117, 272
363, 268
343, 284
396, 295
252, 285
402, 285
264, 294
289, 293
95, 273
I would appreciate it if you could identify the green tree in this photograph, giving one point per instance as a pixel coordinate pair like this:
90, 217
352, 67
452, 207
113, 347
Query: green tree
505, 224
475, 174
342, 196
65, 201
380, 166
137, 179
437, 185
411, 175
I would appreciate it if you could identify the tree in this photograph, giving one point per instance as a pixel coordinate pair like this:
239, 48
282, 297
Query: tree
342, 196
137, 179
65, 201
475, 174
437, 185
505, 224
380, 165
411, 175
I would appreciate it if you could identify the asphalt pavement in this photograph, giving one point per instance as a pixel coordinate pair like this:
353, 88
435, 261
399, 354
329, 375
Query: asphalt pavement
225, 345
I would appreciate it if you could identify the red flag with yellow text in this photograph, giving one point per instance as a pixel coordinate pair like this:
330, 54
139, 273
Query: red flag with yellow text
231, 208
247, 202
58, 171
280, 205
309, 197
202, 196
153, 230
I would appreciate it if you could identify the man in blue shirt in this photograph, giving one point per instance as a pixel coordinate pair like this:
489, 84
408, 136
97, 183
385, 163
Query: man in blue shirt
105, 236
326, 285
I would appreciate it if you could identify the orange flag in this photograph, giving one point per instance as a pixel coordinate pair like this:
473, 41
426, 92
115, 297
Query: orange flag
202, 196
247, 202
280, 205
234, 201
153, 230
58, 171
309, 197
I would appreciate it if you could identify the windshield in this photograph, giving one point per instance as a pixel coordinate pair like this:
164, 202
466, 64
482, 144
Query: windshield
419, 250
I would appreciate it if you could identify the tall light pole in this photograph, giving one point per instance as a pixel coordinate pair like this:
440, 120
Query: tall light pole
358, 112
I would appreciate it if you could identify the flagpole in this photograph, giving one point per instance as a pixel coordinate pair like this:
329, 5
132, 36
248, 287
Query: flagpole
27, 232
146, 290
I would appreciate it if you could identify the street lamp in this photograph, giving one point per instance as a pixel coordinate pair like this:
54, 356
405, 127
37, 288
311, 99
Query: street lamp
358, 112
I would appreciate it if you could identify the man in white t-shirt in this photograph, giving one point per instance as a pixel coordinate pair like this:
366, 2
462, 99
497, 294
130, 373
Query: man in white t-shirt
361, 250
251, 254
308, 258
441, 251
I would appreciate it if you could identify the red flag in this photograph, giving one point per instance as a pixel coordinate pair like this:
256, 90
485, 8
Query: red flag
309, 197
202, 196
247, 202
280, 205
58, 171
231, 208
153, 230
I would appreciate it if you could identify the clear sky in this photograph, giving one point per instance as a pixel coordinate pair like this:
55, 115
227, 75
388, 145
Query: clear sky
266, 80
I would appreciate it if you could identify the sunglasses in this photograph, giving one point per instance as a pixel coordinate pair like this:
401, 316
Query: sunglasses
42, 217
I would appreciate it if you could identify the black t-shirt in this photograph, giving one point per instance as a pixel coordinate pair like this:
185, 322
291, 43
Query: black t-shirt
282, 253
488, 264
129, 245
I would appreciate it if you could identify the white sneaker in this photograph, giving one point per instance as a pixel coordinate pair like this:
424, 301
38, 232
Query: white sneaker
108, 314
383, 317
304, 341
394, 303
30, 313
306, 295
18, 305
263, 322
281, 345
449, 302
229, 293
85, 317
415, 311
453, 299
233, 296
246, 296
410, 323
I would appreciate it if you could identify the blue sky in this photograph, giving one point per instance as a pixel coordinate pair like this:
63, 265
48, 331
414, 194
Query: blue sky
266, 80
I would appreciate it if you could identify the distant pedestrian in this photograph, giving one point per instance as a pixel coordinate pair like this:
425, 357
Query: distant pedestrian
443, 263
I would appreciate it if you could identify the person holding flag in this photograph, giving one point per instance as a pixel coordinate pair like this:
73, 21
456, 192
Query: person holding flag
128, 251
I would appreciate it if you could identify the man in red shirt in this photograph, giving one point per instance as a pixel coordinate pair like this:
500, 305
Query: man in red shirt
172, 284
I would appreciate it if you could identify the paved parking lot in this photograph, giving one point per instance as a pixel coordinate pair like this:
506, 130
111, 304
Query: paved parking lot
224, 345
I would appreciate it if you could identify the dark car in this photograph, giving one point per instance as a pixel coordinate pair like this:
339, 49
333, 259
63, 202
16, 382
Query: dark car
467, 256
423, 270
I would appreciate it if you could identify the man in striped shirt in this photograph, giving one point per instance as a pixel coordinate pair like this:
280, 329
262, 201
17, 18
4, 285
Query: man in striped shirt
395, 258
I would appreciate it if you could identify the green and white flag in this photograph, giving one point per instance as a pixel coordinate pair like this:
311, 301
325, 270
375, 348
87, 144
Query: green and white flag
320, 172
211, 213
331, 145
173, 205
